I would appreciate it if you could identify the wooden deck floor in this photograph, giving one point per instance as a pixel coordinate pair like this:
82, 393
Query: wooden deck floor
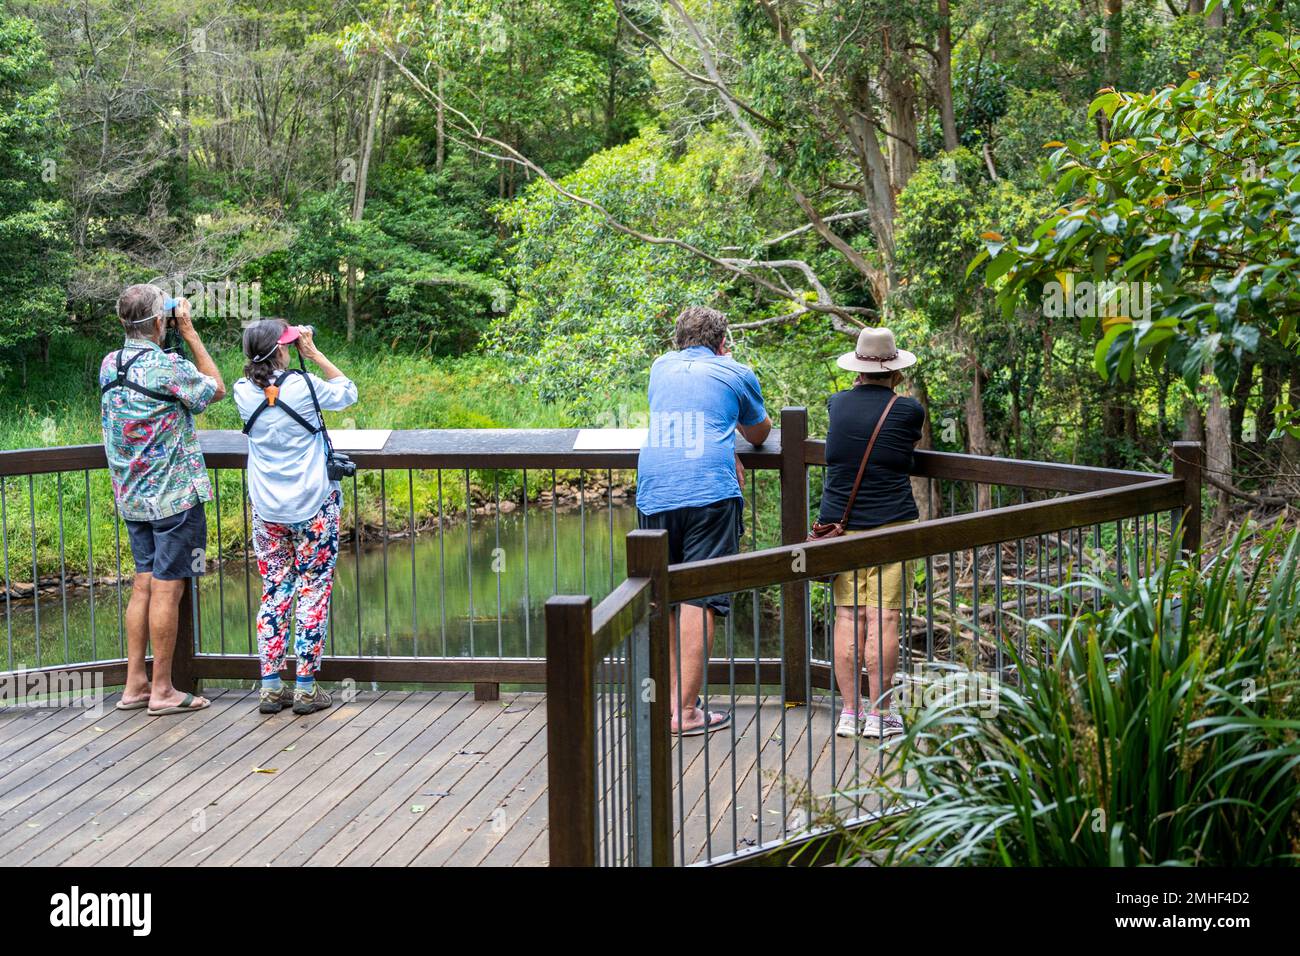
391, 779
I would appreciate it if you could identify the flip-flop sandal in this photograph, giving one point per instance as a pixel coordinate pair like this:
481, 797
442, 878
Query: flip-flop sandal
182, 708
722, 723
133, 705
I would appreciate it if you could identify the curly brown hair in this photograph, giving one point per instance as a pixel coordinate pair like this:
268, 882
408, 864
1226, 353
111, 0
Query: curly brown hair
699, 325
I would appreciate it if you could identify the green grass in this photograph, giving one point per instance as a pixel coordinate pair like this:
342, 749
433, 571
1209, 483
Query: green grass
58, 404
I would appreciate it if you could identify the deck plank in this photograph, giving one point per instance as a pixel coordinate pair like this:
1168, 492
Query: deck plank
125, 789
190, 783
239, 783
328, 846
363, 739
63, 801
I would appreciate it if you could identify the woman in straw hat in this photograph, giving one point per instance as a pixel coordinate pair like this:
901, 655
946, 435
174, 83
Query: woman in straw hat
869, 601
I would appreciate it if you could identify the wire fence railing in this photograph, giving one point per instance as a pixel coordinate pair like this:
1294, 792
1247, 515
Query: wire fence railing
979, 587
457, 544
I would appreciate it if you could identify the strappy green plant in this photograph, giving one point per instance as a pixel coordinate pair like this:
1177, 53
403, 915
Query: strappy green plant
1159, 729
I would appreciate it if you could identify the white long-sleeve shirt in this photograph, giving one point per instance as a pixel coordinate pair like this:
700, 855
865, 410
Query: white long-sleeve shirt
286, 463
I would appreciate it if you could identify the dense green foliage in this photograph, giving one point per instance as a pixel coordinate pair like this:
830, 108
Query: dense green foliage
33, 226
550, 181
1194, 195
1162, 731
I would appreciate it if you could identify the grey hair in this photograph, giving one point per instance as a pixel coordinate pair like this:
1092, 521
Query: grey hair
137, 305
699, 325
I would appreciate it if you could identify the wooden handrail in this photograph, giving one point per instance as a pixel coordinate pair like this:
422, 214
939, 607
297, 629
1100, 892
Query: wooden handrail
791, 563
1008, 472
613, 619
553, 448
409, 448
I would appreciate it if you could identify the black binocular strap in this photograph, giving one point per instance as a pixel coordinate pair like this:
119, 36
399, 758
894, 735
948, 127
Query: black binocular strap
248, 425
123, 382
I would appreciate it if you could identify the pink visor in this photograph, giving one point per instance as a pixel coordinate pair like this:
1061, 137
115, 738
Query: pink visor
290, 334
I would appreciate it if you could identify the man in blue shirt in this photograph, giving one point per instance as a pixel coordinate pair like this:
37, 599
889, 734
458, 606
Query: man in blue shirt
688, 483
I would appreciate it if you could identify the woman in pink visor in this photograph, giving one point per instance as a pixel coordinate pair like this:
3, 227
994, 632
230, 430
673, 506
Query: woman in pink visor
295, 504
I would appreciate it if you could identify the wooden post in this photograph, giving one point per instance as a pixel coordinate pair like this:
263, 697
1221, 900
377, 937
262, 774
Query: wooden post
487, 690
1189, 462
647, 557
794, 529
570, 731
184, 677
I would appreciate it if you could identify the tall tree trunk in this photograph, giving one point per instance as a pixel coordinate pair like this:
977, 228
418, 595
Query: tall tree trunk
1241, 398
923, 489
977, 439
359, 199
900, 104
441, 124
1193, 426
1218, 446
943, 78
1290, 444
611, 90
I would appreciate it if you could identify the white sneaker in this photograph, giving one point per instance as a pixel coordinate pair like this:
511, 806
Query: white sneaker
850, 725
882, 725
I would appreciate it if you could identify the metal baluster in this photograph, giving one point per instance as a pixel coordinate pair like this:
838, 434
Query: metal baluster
602, 759
383, 549
708, 815
442, 568
356, 554
469, 557
954, 627
221, 563
36, 573
117, 546
555, 538
609, 499
582, 527
728, 626
63, 572
90, 569
248, 573
528, 604
496, 555
997, 600
410, 507
4, 537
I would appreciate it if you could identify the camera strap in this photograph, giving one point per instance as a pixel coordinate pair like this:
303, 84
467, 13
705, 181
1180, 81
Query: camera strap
329, 445
123, 382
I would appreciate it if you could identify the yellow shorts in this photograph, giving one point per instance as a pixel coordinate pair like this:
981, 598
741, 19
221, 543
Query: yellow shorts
886, 586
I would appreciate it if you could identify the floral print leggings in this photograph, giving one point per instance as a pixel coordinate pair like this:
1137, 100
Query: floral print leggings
296, 559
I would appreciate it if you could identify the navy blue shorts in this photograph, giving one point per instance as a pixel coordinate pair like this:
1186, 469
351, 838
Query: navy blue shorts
171, 548
700, 532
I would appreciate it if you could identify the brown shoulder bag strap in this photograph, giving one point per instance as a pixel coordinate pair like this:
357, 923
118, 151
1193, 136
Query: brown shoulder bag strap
862, 468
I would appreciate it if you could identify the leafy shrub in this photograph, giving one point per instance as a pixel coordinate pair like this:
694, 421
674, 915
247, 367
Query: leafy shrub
1159, 731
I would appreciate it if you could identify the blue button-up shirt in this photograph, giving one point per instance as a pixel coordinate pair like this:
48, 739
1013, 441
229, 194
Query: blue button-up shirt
152, 447
697, 398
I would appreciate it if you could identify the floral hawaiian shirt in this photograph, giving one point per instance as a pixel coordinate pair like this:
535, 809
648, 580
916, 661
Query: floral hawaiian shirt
152, 448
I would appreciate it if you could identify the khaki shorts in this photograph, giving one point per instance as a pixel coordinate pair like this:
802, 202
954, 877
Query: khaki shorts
885, 586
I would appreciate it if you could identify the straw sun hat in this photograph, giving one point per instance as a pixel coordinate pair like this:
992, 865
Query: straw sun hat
876, 352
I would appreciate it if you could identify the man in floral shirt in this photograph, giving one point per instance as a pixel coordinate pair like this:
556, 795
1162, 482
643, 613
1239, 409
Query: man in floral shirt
148, 401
